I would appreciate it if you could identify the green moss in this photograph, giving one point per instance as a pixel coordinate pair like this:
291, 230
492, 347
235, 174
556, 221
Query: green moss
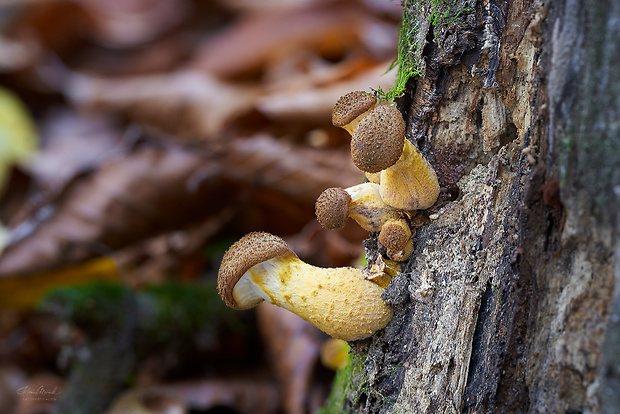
169, 310
412, 37
346, 386
95, 304
445, 12
409, 61
175, 310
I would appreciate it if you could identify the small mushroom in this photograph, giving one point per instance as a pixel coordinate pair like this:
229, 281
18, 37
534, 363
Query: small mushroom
395, 235
363, 204
407, 180
351, 109
339, 301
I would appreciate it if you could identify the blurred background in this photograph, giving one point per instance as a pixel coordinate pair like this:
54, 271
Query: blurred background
138, 140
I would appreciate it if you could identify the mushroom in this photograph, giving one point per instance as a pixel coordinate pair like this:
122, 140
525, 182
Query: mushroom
363, 204
339, 301
351, 109
378, 144
396, 235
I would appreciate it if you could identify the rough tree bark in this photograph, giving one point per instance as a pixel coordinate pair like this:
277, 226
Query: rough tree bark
511, 300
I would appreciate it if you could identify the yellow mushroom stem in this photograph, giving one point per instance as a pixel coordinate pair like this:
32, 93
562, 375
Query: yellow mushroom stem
338, 301
350, 127
374, 177
411, 183
368, 209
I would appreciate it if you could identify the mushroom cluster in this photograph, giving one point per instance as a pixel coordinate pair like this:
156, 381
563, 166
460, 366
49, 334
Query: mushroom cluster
400, 179
344, 302
379, 148
363, 203
339, 301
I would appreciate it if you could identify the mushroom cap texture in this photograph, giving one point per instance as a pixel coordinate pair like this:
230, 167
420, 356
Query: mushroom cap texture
377, 142
394, 235
350, 106
250, 250
332, 208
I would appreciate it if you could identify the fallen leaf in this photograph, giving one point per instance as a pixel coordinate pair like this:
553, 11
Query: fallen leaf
293, 345
149, 192
255, 40
302, 173
25, 291
132, 22
316, 103
151, 400
155, 190
242, 396
72, 144
184, 103
18, 134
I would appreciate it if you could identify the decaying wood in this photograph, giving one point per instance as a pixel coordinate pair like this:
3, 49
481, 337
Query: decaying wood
505, 304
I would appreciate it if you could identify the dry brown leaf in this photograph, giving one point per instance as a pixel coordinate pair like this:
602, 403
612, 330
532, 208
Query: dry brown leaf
302, 173
59, 26
132, 22
329, 248
294, 347
185, 103
316, 103
146, 193
151, 400
169, 254
17, 52
72, 144
332, 31
242, 396
268, 6
152, 191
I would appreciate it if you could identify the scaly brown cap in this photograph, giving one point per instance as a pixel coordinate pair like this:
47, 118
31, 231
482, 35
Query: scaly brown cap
250, 250
395, 234
377, 142
350, 106
332, 208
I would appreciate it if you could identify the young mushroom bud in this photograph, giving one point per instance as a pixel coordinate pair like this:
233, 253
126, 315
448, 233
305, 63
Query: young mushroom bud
407, 180
363, 204
339, 301
395, 234
351, 109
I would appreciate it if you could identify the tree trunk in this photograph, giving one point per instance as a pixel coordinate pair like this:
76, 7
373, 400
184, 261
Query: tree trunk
511, 300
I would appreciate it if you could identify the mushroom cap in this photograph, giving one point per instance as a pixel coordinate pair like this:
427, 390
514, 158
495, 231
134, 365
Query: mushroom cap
332, 208
250, 250
377, 142
350, 106
395, 234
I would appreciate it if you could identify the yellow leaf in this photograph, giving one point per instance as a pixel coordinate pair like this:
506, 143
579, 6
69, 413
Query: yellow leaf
18, 134
25, 291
